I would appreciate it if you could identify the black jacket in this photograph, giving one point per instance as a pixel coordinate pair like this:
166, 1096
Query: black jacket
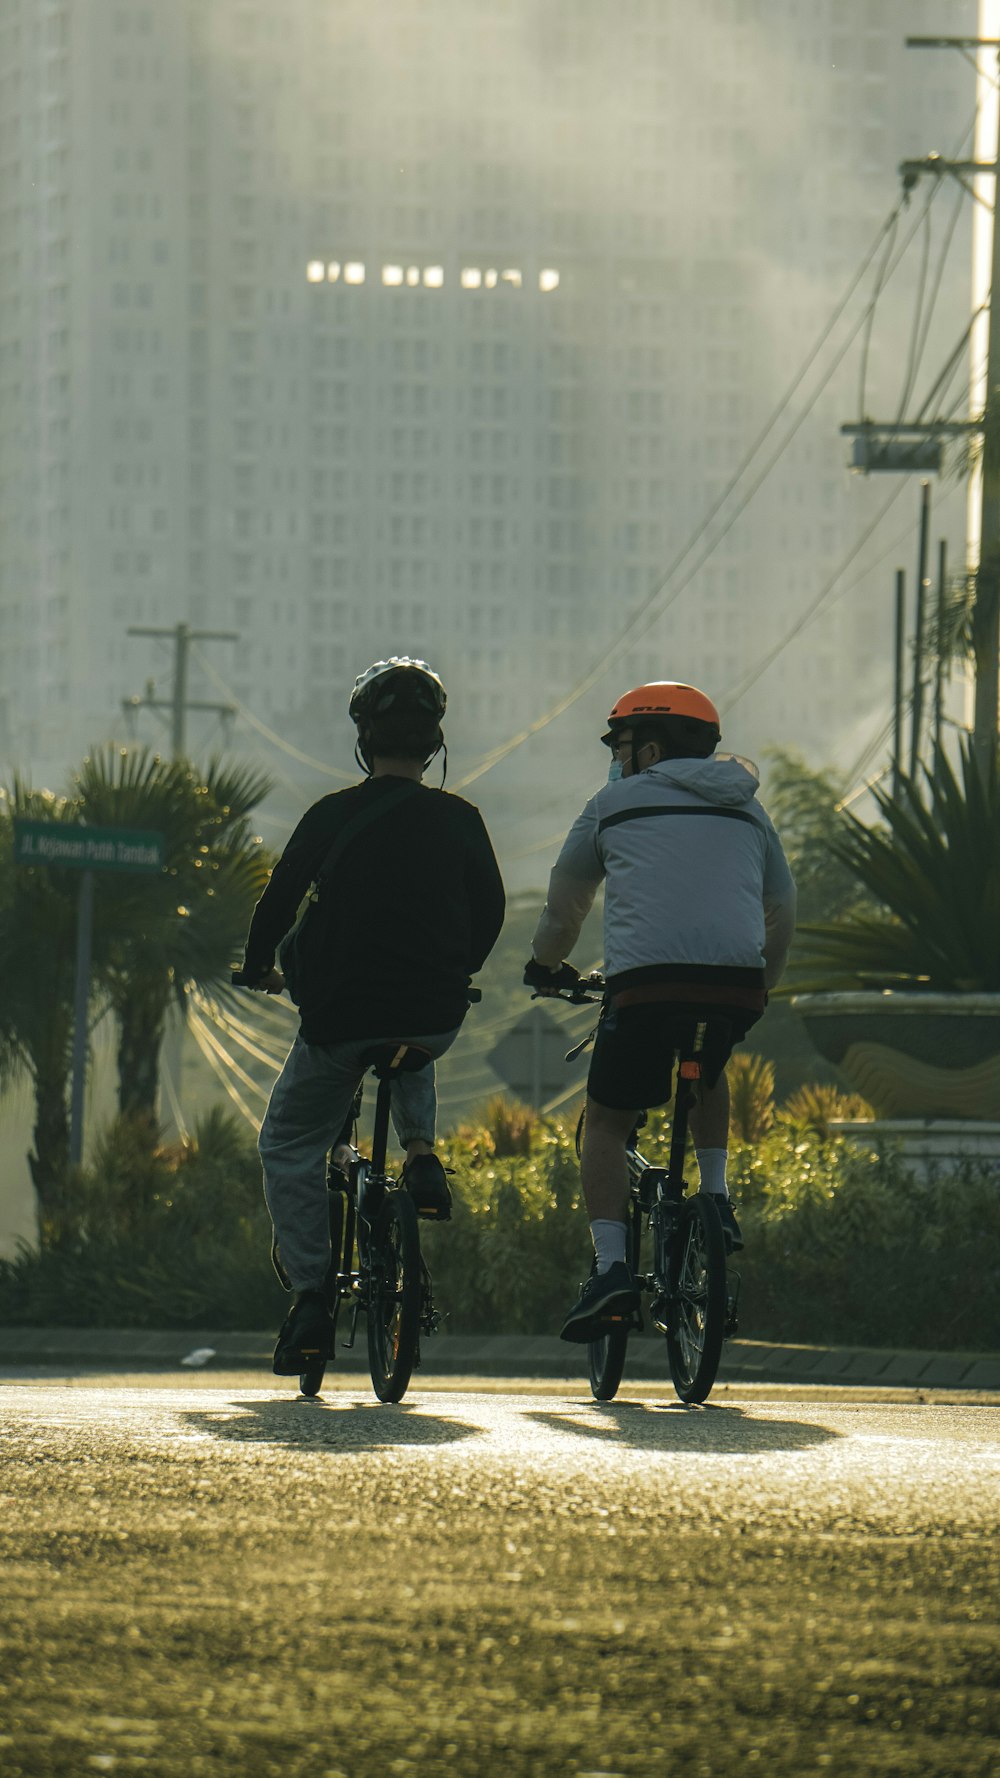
412, 910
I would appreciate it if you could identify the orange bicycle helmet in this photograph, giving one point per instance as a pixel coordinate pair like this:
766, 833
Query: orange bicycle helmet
662, 699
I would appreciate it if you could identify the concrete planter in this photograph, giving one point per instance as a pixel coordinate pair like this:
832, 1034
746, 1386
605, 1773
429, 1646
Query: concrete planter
912, 1055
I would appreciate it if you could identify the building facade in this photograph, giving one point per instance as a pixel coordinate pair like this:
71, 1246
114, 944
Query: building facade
440, 328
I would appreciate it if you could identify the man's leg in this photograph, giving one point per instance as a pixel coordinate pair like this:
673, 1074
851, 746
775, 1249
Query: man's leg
709, 1118
603, 1169
611, 1291
709, 1122
306, 1113
414, 1117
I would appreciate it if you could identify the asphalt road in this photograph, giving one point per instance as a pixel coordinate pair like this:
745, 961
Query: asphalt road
206, 1579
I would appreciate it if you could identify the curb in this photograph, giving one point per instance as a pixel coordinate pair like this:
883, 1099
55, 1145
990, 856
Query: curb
752, 1361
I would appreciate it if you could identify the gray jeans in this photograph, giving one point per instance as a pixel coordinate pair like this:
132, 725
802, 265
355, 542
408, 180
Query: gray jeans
307, 1110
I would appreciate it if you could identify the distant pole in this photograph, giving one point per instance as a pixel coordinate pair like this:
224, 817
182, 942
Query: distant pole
536, 1063
182, 642
939, 651
986, 608
897, 689
81, 999
179, 703
917, 710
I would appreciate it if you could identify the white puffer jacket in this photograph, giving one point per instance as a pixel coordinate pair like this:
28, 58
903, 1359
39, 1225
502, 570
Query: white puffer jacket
694, 872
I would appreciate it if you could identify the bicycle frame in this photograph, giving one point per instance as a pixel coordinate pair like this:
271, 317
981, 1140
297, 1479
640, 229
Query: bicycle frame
694, 1299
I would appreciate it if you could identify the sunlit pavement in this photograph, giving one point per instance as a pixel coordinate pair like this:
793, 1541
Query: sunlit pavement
205, 1578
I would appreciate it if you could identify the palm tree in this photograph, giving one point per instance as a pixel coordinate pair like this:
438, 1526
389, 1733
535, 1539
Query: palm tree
932, 869
156, 937
38, 916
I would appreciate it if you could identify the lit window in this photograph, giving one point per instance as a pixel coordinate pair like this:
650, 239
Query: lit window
412, 275
513, 278
354, 272
333, 271
490, 280
434, 276
391, 274
472, 277
548, 280
315, 271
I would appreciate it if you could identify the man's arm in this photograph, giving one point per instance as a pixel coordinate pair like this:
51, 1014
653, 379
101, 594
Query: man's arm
567, 905
487, 902
576, 877
276, 910
779, 911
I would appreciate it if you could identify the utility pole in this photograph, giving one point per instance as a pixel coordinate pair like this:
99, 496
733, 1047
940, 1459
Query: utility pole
899, 658
986, 606
179, 703
906, 446
917, 711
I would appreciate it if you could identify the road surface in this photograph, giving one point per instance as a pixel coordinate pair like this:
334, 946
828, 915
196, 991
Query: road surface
203, 1578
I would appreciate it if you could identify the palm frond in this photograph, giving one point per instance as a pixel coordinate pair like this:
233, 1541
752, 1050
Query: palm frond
932, 868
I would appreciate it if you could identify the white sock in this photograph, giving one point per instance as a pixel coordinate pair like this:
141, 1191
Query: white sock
712, 1167
609, 1243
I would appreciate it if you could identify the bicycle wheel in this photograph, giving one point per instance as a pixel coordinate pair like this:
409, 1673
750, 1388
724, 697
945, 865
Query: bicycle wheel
394, 1296
696, 1314
606, 1355
311, 1380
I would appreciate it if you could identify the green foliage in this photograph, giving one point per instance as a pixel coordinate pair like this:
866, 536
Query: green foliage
932, 869
751, 1096
518, 1241
154, 1237
804, 804
158, 936
842, 1244
38, 919
816, 1106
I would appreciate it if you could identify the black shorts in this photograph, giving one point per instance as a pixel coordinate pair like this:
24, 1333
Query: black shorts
633, 1061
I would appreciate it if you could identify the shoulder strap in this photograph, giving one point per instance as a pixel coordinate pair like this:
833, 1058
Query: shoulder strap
371, 812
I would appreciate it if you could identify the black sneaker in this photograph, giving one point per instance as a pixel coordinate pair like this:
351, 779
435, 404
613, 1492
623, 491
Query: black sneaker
606, 1297
305, 1335
425, 1180
730, 1227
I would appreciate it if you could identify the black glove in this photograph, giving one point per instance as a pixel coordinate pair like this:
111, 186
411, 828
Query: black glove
538, 975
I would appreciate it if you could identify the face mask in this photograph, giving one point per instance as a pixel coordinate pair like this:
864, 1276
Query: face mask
614, 771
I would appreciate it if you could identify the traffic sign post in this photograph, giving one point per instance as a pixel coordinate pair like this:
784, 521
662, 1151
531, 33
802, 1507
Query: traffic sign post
60, 845
531, 1057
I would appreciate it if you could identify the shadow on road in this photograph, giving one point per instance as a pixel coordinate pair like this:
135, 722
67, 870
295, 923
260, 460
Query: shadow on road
329, 1425
674, 1426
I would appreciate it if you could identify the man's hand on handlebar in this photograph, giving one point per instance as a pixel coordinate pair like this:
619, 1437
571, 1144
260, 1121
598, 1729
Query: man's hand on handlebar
549, 982
271, 983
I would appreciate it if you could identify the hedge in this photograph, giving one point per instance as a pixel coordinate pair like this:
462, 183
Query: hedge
842, 1244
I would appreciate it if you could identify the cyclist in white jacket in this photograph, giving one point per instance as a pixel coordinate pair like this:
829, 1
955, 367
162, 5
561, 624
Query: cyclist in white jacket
698, 917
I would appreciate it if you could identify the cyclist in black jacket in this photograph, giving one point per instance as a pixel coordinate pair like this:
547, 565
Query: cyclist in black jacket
408, 913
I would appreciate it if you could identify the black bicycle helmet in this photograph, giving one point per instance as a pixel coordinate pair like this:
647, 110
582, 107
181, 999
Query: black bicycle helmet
398, 705
396, 684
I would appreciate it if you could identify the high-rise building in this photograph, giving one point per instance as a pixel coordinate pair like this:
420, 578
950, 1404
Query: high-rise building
438, 327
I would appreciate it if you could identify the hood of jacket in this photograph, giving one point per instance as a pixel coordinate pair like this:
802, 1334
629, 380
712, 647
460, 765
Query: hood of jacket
724, 779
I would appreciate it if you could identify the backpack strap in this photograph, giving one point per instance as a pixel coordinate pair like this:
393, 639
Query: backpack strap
364, 818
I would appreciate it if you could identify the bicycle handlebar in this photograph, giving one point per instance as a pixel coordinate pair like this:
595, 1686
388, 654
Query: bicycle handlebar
240, 980
589, 990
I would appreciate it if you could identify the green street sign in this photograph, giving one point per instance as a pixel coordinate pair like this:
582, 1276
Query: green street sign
87, 848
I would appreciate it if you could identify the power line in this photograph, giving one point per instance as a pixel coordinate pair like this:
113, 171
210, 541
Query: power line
920, 338
729, 700
646, 612
308, 759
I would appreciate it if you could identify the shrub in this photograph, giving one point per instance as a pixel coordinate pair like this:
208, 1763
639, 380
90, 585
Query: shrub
818, 1106
751, 1096
154, 1237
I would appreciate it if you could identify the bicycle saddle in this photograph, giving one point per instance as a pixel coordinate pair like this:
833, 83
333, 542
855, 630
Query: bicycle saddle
396, 1058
